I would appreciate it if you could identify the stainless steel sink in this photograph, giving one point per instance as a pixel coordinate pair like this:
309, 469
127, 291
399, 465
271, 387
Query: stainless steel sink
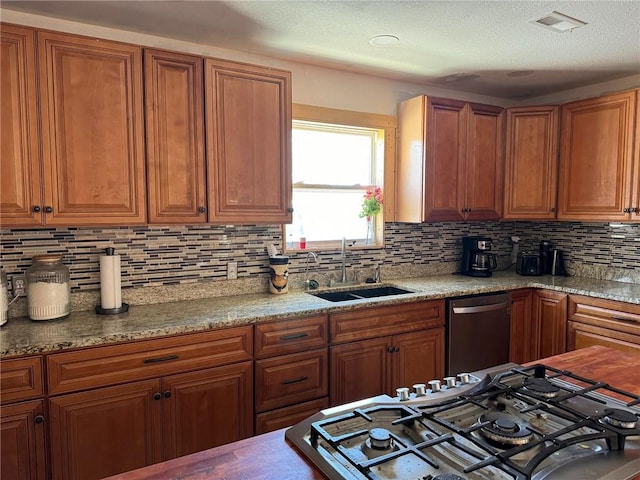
360, 293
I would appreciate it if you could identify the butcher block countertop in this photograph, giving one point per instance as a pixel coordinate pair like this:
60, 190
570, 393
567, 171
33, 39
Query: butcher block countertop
21, 336
269, 456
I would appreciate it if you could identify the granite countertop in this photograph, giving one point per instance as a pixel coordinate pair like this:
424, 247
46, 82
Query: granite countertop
21, 336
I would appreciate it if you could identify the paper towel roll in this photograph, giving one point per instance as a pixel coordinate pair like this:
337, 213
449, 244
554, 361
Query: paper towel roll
110, 291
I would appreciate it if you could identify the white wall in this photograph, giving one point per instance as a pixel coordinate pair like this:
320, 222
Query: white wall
311, 84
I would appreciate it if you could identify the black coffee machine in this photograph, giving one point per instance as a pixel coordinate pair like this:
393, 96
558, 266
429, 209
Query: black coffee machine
476, 259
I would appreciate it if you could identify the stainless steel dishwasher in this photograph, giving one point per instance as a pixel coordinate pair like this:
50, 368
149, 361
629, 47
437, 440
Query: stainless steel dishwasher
477, 332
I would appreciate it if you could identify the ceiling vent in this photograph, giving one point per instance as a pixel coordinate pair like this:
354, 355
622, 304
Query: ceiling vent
559, 22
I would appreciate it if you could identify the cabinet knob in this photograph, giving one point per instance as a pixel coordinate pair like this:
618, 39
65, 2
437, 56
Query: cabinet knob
626, 210
553, 209
36, 209
390, 349
38, 419
633, 209
290, 210
157, 396
202, 209
167, 394
48, 209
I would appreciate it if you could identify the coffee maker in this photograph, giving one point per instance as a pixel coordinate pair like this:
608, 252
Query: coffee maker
476, 259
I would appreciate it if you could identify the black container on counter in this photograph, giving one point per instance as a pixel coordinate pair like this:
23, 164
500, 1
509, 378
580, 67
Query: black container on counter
546, 257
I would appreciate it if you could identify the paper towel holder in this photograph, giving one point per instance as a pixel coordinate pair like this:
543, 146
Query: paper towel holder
111, 311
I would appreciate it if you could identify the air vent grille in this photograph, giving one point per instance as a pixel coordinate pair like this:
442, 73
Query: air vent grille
559, 22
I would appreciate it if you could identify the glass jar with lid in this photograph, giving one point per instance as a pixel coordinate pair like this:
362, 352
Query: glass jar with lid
48, 291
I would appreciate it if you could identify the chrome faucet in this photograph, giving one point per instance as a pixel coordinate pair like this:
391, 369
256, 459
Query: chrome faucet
307, 281
344, 258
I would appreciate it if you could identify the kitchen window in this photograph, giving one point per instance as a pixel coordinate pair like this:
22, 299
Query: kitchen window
337, 158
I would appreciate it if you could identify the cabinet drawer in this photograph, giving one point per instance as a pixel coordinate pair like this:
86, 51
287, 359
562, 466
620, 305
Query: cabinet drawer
291, 379
381, 321
582, 335
101, 366
290, 336
618, 316
287, 416
21, 379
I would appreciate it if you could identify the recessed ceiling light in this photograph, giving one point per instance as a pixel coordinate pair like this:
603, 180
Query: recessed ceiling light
383, 40
559, 22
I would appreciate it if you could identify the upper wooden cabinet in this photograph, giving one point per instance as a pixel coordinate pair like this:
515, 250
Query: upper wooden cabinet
450, 163
20, 185
635, 179
92, 130
531, 167
174, 113
598, 178
248, 134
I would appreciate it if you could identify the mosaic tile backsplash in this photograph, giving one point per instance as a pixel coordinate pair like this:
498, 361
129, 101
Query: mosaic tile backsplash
158, 256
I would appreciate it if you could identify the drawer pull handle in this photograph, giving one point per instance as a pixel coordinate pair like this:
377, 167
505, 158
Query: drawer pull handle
294, 336
161, 359
622, 319
295, 380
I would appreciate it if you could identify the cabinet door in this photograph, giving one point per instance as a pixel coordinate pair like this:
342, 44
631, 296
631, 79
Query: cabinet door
596, 158
22, 446
531, 168
207, 408
248, 111
360, 370
418, 358
20, 187
174, 111
92, 130
445, 160
106, 431
521, 329
484, 161
635, 199
550, 319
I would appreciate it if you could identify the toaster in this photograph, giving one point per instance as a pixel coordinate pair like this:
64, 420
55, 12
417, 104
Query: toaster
528, 264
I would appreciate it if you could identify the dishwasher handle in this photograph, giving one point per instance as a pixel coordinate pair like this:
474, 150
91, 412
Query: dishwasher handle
482, 308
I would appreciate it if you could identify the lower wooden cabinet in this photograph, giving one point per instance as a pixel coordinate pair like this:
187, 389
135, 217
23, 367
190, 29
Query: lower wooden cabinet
105, 431
22, 420
287, 416
522, 342
372, 367
291, 371
145, 422
22, 441
594, 321
207, 408
549, 323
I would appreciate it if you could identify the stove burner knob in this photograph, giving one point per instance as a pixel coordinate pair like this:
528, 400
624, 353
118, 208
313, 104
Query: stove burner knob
421, 389
450, 381
403, 393
435, 385
464, 378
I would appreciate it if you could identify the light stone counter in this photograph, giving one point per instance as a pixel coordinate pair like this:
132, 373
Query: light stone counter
21, 336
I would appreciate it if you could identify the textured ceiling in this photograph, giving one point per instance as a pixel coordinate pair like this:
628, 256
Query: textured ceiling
484, 47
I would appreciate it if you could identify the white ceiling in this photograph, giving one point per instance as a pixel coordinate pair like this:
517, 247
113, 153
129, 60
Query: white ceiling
483, 47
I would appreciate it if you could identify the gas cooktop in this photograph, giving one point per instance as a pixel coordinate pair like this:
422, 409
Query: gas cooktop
508, 422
